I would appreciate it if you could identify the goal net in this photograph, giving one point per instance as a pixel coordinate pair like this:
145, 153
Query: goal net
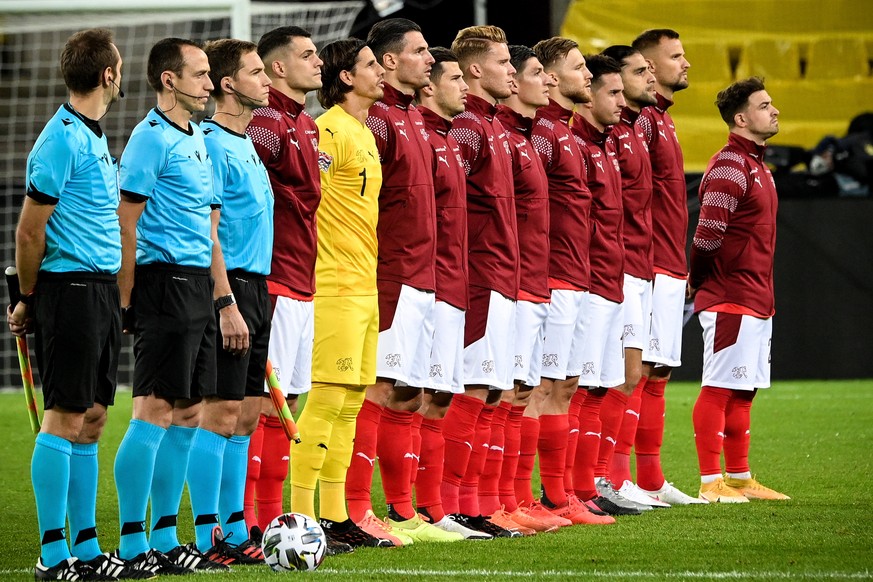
31, 87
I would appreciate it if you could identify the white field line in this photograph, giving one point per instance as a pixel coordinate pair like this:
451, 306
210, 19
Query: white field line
611, 574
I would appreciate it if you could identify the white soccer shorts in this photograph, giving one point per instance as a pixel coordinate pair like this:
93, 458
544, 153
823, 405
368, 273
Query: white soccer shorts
530, 329
489, 360
290, 347
447, 355
403, 352
665, 331
601, 363
736, 350
637, 311
565, 332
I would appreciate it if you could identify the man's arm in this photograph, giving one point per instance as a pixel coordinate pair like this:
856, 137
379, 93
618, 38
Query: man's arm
234, 331
29, 252
724, 186
129, 211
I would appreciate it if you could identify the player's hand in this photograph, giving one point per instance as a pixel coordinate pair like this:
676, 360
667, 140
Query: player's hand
690, 291
20, 322
234, 331
128, 320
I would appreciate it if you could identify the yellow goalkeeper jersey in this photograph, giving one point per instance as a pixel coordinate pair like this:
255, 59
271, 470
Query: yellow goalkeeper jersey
351, 177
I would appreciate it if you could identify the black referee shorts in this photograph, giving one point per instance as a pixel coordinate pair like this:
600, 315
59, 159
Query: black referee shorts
77, 319
244, 376
174, 345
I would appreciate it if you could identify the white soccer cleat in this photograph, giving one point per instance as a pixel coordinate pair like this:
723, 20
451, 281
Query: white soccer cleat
630, 490
451, 524
669, 494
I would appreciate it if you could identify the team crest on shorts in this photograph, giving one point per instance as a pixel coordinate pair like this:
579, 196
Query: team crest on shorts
344, 365
436, 370
392, 360
519, 362
587, 369
628, 331
739, 372
550, 360
487, 366
654, 345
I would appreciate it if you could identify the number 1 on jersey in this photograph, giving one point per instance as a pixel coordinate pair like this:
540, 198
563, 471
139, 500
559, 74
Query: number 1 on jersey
363, 174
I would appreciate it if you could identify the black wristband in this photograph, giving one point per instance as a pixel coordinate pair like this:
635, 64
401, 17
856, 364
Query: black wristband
224, 301
26, 299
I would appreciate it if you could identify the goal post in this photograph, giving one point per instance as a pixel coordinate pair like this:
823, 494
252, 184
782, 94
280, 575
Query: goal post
32, 35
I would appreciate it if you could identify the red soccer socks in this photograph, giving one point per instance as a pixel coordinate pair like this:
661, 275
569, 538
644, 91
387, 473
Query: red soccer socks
459, 428
611, 413
650, 434
359, 478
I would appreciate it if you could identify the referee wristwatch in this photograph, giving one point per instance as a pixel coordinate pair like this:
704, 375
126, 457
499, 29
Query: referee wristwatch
224, 301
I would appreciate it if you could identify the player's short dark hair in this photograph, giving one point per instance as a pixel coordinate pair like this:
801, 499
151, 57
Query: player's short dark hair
85, 56
620, 52
389, 36
652, 38
472, 42
338, 56
279, 38
735, 97
166, 55
440, 55
600, 65
519, 55
225, 60
554, 49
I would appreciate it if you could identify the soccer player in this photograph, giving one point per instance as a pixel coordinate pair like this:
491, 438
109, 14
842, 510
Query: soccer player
240, 264
439, 102
530, 91
731, 281
346, 308
620, 415
484, 59
407, 256
602, 357
286, 139
68, 252
663, 51
550, 423
165, 213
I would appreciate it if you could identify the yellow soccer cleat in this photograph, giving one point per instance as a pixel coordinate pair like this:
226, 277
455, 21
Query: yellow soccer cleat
421, 531
751, 489
718, 492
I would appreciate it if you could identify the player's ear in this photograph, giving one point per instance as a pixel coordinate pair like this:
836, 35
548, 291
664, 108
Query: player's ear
346, 77
278, 67
475, 70
389, 61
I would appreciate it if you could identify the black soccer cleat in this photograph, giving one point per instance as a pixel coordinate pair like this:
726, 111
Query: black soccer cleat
611, 508
69, 569
480, 523
349, 533
112, 567
157, 563
193, 560
222, 552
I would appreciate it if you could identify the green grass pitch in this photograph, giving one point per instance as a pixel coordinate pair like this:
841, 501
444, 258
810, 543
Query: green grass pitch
812, 440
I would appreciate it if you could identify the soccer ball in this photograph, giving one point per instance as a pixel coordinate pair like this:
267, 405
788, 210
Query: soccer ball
294, 541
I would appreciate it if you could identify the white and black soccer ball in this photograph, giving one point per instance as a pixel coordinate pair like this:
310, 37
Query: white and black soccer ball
292, 542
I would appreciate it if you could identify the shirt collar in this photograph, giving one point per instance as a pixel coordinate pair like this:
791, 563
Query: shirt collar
629, 116
555, 112
589, 132
479, 106
518, 121
663, 103
394, 98
282, 102
747, 146
434, 121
